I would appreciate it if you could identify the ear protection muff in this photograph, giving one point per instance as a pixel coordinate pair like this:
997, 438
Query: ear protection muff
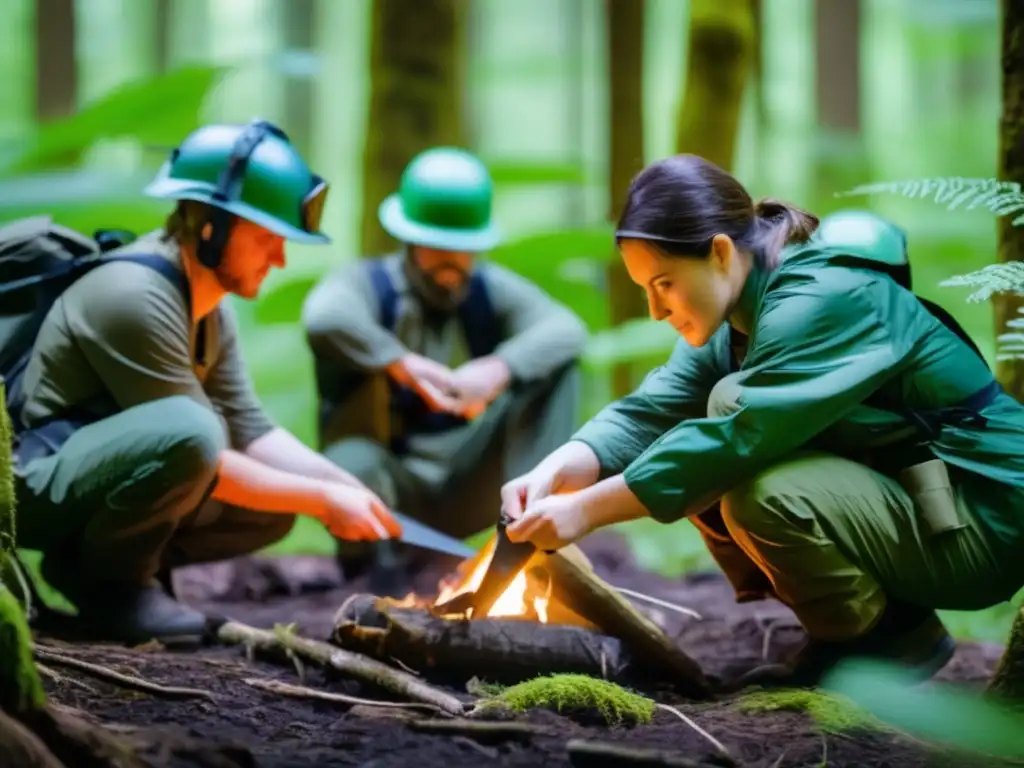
217, 228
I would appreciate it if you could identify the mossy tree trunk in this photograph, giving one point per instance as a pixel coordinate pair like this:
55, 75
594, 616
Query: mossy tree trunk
1009, 677
624, 33
1011, 168
720, 63
20, 689
417, 82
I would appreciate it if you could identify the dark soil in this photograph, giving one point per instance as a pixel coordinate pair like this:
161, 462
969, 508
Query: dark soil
251, 727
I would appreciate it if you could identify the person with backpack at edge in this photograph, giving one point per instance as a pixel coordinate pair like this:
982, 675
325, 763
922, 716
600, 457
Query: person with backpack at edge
143, 446
439, 375
835, 438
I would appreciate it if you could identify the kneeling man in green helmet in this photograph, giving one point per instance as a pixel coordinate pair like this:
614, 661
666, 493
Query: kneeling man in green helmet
144, 446
440, 376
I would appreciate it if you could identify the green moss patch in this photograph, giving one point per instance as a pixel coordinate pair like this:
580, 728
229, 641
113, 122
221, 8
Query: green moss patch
576, 696
20, 687
832, 713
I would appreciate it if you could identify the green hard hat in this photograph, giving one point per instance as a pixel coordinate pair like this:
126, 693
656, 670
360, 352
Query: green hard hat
443, 201
273, 188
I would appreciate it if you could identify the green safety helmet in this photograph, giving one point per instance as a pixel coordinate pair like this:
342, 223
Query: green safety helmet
443, 201
868, 236
252, 171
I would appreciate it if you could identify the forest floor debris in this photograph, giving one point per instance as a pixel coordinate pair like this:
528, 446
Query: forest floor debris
262, 713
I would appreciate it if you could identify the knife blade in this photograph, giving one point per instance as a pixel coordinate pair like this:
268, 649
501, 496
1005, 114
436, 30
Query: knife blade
420, 535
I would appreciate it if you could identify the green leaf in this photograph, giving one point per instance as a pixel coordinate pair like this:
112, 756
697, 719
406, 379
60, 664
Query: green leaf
568, 264
517, 173
157, 110
283, 303
954, 718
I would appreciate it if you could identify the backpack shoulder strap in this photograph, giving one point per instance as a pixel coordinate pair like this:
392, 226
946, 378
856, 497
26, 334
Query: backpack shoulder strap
385, 290
479, 322
157, 264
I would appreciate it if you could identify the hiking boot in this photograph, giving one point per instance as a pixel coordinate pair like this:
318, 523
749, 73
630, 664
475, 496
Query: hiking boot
136, 614
908, 635
122, 611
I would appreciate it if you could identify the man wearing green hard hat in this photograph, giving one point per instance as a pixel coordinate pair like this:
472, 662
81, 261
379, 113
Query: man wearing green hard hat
440, 375
141, 445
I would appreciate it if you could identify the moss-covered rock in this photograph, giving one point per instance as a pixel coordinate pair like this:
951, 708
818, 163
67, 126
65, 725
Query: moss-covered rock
832, 713
576, 696
1008, 679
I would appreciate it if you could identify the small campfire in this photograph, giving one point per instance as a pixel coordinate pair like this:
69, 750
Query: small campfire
556, 615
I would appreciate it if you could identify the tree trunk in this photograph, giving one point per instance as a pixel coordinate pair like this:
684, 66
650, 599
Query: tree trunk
1008, 680
720, 62
417, 77
1011, 168
837, 85
624, 35
56, 67
300, 20
162, 20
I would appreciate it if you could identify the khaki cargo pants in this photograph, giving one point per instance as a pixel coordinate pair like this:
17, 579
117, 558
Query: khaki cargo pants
832, 538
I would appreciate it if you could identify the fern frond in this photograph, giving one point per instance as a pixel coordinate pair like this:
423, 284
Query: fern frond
999, 197
1005, 277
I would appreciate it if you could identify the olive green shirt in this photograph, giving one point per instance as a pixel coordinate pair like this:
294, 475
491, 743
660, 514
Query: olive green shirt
122, 335
826, 330
342, 316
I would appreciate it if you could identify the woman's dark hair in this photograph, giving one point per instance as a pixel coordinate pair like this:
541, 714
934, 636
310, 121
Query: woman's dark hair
681, 203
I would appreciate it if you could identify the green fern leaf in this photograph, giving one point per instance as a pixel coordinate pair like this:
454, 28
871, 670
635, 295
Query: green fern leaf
999, 197
1005, 277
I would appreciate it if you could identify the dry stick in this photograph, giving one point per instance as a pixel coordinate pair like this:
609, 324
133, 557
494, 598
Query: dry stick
349, 663
717, 744
597, 753
59, 679
659, 602
118, 678
304, 692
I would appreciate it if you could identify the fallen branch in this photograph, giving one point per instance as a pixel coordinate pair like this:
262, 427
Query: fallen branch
20, 747
118, 678
58, 679
304, 692
597, 754
714, 742
483, 731
348, 663
502, 650
644, 598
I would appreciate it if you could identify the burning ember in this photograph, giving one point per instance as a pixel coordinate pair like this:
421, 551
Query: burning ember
528, 597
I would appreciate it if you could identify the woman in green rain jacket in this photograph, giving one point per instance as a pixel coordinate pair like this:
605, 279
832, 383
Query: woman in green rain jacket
838, 447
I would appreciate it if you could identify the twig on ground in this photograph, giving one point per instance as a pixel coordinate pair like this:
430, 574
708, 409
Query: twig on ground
484, 731
824, 751
118, 678
659, 602
56, 677
304, 692
779, 760
715, 742
583, 754
352, 664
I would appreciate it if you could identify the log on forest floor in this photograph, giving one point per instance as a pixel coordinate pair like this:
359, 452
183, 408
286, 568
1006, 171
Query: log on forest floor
501, 650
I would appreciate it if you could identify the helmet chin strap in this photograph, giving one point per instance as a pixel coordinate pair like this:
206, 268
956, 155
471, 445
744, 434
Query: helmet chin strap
433, 295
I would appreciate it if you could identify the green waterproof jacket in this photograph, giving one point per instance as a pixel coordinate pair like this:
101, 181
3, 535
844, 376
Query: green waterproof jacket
824, 331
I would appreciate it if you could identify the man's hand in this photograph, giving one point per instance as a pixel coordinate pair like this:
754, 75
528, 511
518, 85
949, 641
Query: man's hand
356, 514
480, 381
429, 379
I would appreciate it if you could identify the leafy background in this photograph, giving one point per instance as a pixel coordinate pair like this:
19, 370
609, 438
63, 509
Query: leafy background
930, 100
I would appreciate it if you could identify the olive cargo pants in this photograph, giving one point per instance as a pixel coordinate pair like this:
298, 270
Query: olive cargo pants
127, 496
832, 539
459, 492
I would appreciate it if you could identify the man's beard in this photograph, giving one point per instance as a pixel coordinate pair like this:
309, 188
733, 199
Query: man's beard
234, 285
435, 296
